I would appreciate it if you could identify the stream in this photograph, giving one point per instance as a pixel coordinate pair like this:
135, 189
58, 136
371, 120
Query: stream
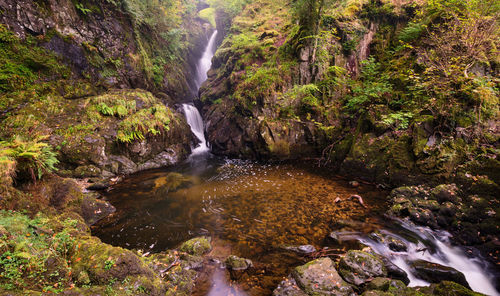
264, 212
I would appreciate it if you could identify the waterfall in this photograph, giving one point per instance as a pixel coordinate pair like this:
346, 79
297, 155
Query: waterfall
195, 121
193, 116
205, 61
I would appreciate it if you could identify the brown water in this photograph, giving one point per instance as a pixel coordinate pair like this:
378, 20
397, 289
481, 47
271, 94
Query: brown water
250, 210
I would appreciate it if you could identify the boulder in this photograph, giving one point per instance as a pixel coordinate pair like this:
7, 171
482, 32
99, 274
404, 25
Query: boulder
385, 284
338, 237
358, 267
435, 273
319, 277
196, 246
236, 263
395, 244
94, 209
394, 272
446, 288
446, 192
288, 287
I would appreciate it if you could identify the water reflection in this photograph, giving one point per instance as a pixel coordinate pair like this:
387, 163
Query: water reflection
221, 287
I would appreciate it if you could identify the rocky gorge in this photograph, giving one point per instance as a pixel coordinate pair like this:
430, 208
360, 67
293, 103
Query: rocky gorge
94, 131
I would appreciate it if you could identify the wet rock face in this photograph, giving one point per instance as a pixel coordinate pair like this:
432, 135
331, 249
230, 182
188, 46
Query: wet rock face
319, 277
394, 272
435, 273
87, 41
304, 249
358, 267
94, 209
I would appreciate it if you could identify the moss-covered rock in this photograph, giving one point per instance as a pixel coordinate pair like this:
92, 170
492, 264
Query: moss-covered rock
236, 263
196, 246
446, 288
319, 277
436, 273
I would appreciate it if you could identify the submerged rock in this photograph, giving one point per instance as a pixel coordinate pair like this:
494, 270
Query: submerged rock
98, 186
319, 277
358, 267
435, 273
338, 237
396, 244
196, 246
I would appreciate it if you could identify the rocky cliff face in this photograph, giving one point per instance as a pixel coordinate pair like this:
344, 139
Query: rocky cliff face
69, 73
251, 106
103, 42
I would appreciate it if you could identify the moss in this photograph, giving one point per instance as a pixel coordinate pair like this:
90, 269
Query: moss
208, 14
236, 263
196, 246
280, 148
446, 288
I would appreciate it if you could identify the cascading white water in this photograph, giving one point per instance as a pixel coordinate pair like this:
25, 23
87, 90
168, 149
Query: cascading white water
193, 116
443, 253
205, 61
195, 121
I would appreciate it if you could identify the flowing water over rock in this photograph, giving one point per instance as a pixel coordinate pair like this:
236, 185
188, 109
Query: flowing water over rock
408, 244
205, 62
195, 121
192, 114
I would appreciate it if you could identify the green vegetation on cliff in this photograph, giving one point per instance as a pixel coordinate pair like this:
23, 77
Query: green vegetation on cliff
414, 83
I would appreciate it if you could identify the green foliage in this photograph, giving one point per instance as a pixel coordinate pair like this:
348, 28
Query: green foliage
258, 85
300, 100
22, 63
372, 87
30, 158
81, 8
208, 14
152, 121
412, 32
401, 120
159, 70
108, 264
230, 7
242, 43
109, 105
25, 251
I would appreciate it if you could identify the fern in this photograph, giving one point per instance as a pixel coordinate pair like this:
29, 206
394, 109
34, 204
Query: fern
82, 9
412, 32
27, 158
104, 109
